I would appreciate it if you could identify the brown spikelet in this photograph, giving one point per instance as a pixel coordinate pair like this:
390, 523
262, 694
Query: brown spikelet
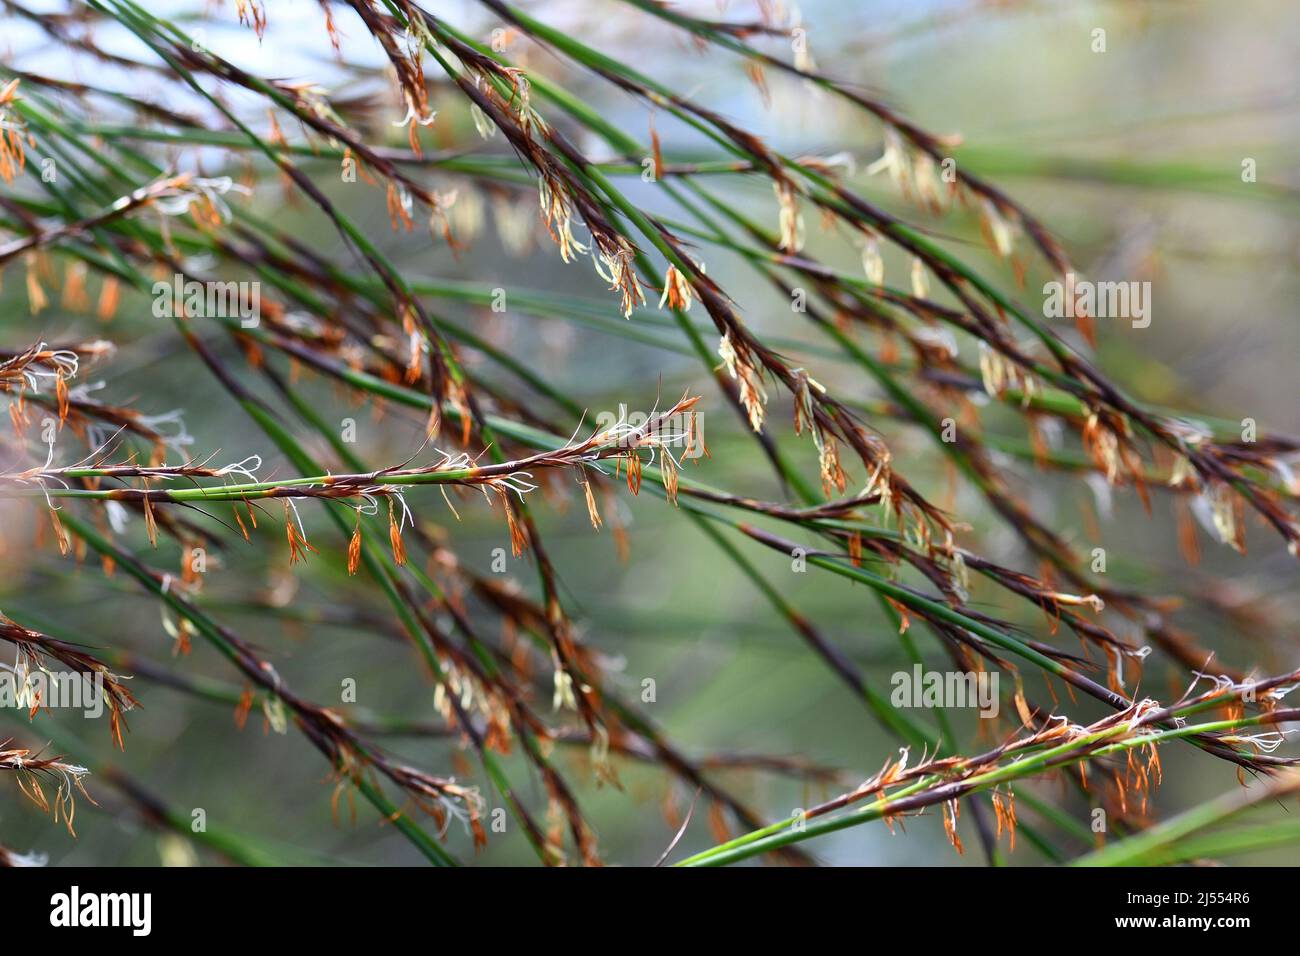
60, 535
109, 294
433, 424
951, 812
253, 354
13, 156
414, 363
855, 549
632, 461
74, 287
1085, 326
182, 645
276, 135
61, 393
593, 513
518, 538
1004, 808
252, 13
36, 297
670, 809
668, 470
330, 28
904, 621
395, 537
718, 822
1022, 705
656, 150
150, 523
398, 213
759, 79
244, 707
298, 545
354, 548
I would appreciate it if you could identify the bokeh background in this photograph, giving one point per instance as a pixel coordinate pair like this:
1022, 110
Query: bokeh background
1132, 156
